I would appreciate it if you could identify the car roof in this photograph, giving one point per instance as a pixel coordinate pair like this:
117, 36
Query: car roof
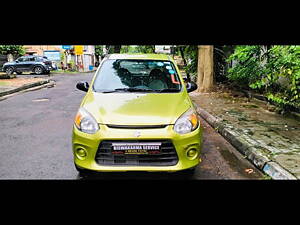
31, 56
139, 56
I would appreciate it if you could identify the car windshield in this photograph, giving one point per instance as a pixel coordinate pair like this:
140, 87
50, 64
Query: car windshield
137, 76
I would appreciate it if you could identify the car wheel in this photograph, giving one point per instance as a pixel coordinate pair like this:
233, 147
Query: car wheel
9, 70
38, 70
82, 172
188, 173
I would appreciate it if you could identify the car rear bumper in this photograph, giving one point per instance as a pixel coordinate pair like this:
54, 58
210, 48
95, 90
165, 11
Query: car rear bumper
91, 144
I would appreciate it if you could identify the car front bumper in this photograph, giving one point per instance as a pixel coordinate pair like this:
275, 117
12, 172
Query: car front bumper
182, 143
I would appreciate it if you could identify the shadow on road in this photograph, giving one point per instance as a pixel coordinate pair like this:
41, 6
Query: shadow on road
135, 176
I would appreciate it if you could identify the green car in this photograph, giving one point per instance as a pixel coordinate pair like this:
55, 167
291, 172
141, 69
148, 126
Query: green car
137, 116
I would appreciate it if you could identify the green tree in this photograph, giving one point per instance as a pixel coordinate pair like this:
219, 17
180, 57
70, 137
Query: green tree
99, 50
129, 49
271, 70
12, 51
145, 48
189, 54
17, 50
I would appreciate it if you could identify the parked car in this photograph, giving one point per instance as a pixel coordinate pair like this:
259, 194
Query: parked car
36, 64
137, 116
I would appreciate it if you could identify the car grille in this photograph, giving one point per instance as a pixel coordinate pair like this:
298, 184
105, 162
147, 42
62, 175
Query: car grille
167, 156
136, 126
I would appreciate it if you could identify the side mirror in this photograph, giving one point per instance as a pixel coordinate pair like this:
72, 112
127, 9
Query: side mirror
17, 61
191, 86
83, 86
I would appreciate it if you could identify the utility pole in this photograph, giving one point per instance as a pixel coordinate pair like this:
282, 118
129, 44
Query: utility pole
205, 78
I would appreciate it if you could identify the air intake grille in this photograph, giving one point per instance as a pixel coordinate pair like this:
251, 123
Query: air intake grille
166, 157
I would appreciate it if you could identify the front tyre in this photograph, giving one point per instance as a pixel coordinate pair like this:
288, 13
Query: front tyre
82, 172
188, 173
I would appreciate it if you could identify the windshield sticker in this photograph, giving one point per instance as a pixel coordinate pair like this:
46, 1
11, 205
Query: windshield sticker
173, 80
171, 71
168, 67
160, 64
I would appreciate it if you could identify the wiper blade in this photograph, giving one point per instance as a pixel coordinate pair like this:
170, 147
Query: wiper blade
109, 91
134, 89
168, 90
128, 90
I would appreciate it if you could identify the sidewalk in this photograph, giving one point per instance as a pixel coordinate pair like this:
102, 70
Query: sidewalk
269, 140
11, 86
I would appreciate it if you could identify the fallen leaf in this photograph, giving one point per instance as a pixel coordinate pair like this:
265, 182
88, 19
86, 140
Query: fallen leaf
249, 171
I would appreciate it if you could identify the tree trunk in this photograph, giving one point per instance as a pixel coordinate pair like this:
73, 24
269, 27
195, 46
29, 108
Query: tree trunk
205, 78
10, 57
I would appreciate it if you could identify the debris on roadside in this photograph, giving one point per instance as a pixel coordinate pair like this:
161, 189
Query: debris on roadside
249, 171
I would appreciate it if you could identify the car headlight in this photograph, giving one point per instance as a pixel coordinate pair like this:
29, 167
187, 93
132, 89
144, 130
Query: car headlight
85, 122
187, 122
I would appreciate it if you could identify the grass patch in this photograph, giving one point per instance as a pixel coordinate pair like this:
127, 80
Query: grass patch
266, 177
3, 83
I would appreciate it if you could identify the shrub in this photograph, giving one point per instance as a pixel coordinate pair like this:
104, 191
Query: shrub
274, 71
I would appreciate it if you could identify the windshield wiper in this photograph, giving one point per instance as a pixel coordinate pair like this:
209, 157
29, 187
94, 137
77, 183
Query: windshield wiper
132, 89
168, 90
129, 90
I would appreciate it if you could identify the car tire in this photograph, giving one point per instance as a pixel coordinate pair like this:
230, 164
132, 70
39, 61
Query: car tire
189, 173
9, 70
38, 70
82, 172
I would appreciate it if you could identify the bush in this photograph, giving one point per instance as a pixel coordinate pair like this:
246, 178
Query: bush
274, 71
247, 67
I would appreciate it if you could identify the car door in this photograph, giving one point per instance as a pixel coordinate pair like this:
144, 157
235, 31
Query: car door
20, 63
29, 63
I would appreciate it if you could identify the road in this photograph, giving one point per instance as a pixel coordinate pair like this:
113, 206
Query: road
35, 140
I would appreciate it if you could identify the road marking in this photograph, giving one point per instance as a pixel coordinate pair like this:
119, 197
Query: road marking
40, 100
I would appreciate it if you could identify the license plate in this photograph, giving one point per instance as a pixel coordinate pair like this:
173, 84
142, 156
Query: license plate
136, 148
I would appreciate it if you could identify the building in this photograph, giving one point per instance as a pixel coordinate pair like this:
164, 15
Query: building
65, 57
86, 61
40, 49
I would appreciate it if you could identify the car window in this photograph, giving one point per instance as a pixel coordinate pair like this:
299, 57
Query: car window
143, 74
31, 59
21, 59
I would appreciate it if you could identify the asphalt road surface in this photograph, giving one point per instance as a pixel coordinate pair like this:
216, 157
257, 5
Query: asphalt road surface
35, 143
